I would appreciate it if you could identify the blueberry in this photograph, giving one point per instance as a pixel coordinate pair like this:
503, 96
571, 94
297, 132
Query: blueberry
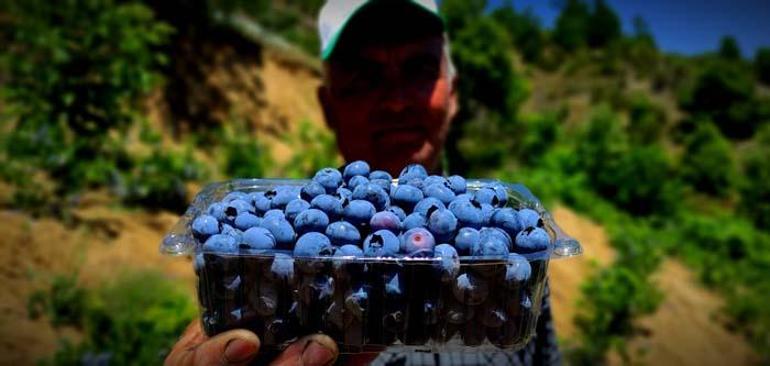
294, 207
393, 285
412, 171
258, 238
382, 183
217, 210
414, 182
458, 313
406, 196
357, 181
380, 174
490, 246
433, 179
357, 302
382, 243
487, 211
414, 220
329, 178
260, 202
343, 232
506, 219
398, 211
349, 250
427, 205
450, 261
284, 195
531, 240
501, 193
440, 191
442, 224
359, 212
493, 317
486, 232
372, 193
465, 240
470, 289
385, 220
418, 241
355, 168
313, 245
486, 195
235, 195
220, 243
237, 207
529, 218
517, 270
330, 205
231, 231
281, 229
464, 196
205, 226
468, 213
344, 194
282, 267
273, 213
457, 184
247, 220
311, 190
311, 220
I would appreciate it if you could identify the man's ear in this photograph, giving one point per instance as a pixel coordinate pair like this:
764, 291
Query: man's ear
324, 99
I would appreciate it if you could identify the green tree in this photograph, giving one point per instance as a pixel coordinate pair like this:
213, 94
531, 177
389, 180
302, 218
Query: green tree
724, 92
646, 120
603, 25
728, 48
642, 32
524, 29
570, 31
755, 190
762, 65
707, 163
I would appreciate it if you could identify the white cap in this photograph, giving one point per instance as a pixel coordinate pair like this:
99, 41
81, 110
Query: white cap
336, 14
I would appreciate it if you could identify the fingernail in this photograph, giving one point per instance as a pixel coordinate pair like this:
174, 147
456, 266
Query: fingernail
315, 354
239, 350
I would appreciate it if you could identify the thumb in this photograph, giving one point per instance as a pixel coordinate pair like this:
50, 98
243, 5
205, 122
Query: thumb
235, 347
312, 350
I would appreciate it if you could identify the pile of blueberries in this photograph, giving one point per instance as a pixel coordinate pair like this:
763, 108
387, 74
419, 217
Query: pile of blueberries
372, 262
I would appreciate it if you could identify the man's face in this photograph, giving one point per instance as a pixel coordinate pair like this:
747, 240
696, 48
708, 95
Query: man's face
390, 104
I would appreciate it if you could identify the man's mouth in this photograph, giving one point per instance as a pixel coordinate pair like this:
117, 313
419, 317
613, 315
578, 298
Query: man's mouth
399, 138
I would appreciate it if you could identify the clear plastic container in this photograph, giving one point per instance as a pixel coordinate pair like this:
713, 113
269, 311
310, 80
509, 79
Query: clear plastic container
367, 304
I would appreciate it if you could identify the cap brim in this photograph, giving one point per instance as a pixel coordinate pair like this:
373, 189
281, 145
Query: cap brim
329, 49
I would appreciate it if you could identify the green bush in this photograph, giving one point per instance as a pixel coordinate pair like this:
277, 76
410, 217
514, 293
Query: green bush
75, 72
525, 31
724, 93
707, 162
132, 320
242, 154
646, 120
762, 65
728, 49
755, 190
571, 27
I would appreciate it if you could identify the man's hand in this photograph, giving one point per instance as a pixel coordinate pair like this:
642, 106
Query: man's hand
239, 347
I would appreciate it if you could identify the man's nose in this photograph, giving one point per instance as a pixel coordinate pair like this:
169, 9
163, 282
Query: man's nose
395, 97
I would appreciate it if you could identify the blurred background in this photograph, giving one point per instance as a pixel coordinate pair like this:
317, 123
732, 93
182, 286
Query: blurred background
644, 127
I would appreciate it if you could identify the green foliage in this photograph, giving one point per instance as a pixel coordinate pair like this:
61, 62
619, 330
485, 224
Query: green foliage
724, 93
313, 148
603, 25
158, 180
728, 49
707, 163
572, 25
524, 29
75, 73
646, 119
242, 153
133, 320
539, 134
762, 65
755, 190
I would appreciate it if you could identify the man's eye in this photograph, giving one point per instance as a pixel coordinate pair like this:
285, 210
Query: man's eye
422, 69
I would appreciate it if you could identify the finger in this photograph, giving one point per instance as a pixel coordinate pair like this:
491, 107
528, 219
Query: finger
312, 350
235, 347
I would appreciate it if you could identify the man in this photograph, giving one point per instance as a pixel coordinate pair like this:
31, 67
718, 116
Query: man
389, 94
